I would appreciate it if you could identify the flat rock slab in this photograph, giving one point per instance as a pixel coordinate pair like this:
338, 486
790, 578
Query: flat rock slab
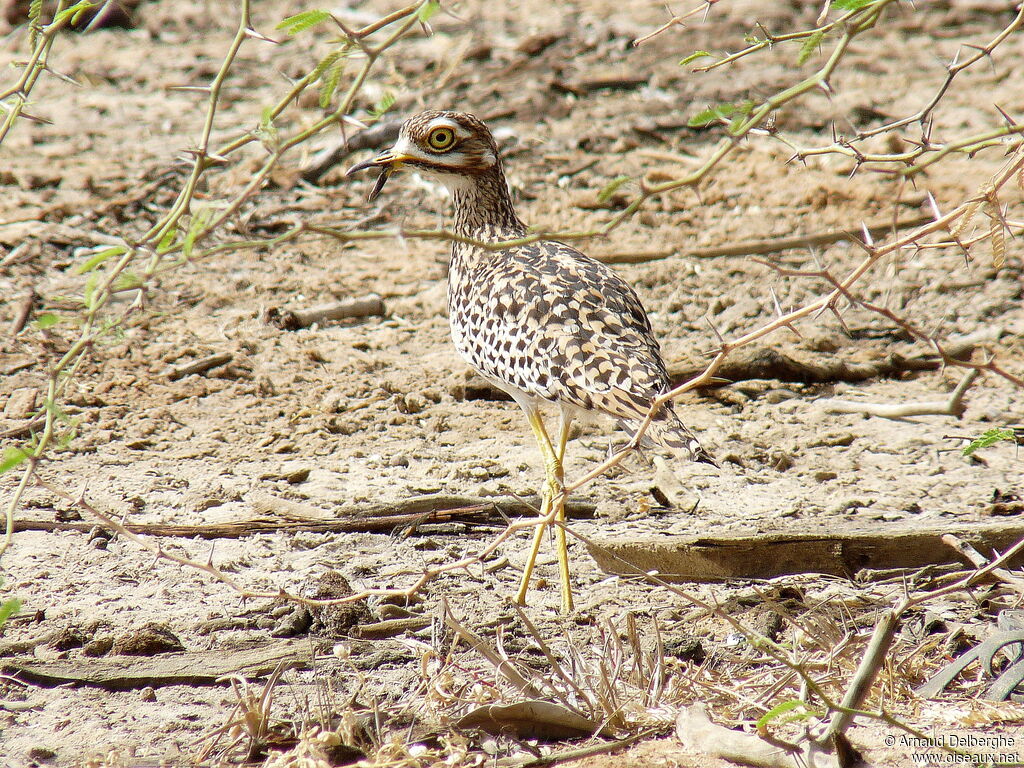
120, 673
763, 556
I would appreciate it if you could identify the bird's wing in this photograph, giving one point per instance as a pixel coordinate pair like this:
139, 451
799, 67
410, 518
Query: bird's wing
565, 327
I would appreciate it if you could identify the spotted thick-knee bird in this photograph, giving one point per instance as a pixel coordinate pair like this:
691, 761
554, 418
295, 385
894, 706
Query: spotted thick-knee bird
539, 320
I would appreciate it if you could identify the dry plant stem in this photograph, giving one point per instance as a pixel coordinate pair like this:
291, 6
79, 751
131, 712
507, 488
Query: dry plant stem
499, 662
34, 67
578, 754
953, 406
978, 560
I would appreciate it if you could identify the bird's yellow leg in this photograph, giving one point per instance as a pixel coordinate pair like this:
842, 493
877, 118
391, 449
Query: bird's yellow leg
562, 548
552, 488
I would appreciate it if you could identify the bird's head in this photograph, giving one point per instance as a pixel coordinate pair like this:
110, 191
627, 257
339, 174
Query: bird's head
452, 146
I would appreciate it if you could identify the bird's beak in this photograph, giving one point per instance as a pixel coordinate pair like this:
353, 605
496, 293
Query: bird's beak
388, 161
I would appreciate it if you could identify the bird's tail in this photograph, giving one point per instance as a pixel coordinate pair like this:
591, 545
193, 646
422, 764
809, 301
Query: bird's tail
669, 432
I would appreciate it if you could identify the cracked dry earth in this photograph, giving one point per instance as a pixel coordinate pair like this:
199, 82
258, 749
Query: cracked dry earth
373, 411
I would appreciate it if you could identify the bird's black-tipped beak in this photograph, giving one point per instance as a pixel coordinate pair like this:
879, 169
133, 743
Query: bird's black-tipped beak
388, 162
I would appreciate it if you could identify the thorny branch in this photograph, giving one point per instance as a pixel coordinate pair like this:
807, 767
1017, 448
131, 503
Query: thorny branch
32, 69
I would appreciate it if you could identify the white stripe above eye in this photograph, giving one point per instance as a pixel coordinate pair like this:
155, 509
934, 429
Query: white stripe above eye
460, 131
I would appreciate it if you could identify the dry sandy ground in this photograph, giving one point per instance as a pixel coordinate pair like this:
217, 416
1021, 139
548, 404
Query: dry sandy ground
365, 412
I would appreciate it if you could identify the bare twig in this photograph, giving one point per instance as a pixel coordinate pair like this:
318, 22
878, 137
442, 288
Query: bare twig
978, 560
291, 320
198, 366
952, 406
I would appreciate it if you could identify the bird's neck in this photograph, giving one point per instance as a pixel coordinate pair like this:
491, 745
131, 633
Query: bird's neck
483, 206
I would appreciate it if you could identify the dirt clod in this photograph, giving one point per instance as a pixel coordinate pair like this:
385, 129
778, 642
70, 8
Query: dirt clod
149, 640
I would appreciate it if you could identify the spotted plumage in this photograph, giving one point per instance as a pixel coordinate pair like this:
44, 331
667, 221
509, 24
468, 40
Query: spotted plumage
540, 320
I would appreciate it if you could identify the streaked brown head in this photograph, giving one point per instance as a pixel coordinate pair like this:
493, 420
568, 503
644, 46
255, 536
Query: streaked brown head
454, 146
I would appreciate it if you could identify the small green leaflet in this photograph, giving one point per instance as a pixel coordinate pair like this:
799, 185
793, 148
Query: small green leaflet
73, 12
89, 296
386, 102
989, 437
12, 457
850, 5
330, 81
611, 188
166, 241
300, 22
693, 57
810, 46
784, 708
719, 112
126, 281
195, 228
323, 64
8, 608
427, 10
47, 320
98, 258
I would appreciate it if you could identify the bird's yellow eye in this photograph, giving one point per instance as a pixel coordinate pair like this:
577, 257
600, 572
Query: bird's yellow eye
441, 138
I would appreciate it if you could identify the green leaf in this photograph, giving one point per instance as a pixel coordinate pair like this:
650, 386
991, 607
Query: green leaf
711, 115
427, 11
98, 258
693, 57
785, 708
126, 281
989, 437
850, 5
195, 228
330, 82
73, 12
610, 188
89, 295
383, 105
12, 457
47, 320
166, 241
8, 608
300, 22
810, 46
323, 64
740, 112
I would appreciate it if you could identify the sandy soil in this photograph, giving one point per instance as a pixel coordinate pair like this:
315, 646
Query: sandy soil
368, 411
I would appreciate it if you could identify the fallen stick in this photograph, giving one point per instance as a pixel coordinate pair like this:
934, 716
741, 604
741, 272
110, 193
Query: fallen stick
23, 429
375, 519
757, 362
951, 406
198, 366
391, 627
767, 245
707, 559
696, 731
120, 673
292, 320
